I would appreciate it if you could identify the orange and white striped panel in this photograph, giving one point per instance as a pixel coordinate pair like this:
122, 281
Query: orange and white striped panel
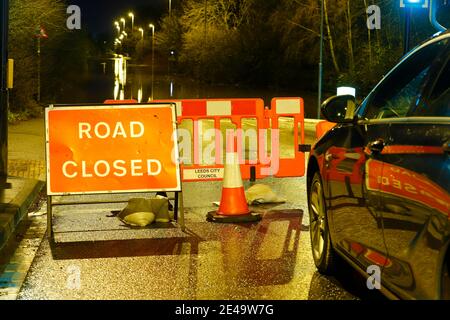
288, 105
216, 107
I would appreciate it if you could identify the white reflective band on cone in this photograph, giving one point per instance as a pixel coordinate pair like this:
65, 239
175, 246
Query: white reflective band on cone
232, 178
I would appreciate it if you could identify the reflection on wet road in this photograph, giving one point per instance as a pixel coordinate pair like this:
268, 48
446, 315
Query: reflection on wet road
269, 260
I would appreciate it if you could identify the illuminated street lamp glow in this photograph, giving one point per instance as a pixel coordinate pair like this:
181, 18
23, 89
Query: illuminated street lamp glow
414, 3
123, 21
142, 32
140, 94
131, 15
342, 91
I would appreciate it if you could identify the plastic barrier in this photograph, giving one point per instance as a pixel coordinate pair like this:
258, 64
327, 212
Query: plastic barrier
131, 101
323, 127
257, 148
220, 115
287, 114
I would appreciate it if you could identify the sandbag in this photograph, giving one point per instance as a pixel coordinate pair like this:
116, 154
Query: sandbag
139, 219
261, 193
141, 212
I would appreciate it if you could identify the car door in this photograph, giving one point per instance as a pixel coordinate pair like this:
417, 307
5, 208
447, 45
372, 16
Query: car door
415, 180
355, 224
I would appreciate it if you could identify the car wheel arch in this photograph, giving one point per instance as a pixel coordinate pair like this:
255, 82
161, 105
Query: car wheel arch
313, 167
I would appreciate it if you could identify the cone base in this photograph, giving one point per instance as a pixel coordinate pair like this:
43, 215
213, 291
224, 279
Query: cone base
214, 216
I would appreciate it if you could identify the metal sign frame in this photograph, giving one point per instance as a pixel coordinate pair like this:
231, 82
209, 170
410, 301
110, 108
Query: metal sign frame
113, 107
178, 207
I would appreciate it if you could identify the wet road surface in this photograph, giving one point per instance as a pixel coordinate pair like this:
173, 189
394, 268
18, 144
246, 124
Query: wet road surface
268, 260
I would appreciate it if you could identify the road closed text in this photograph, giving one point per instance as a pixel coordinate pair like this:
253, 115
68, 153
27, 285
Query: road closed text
118, 168
112, 148
102, 130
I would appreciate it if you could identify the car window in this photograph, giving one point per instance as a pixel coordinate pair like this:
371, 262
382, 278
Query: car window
400, 91
438, 103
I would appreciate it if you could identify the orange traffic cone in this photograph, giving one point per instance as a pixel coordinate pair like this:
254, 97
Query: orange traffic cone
233, 206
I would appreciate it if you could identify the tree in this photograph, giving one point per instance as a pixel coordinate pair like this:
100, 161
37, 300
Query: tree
26, 18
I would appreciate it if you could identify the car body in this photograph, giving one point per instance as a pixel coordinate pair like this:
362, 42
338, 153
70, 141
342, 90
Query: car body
379, 181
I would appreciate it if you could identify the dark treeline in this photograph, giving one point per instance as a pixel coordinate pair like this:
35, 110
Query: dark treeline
255, 43
64, 54
276, 42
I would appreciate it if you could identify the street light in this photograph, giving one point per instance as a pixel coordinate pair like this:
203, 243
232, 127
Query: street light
322, 9
142, 32
131, 15
152, 26
116, 23
170, 8
414, 3
409, 5
123, 21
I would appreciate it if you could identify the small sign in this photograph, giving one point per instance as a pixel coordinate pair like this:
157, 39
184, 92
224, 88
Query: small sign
41, 33
112, 149
203, 174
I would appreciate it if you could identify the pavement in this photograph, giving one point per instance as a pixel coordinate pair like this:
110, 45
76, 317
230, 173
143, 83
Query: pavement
26, 171
97, 257
26, 174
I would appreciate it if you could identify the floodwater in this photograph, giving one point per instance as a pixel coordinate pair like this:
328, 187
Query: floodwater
120, 78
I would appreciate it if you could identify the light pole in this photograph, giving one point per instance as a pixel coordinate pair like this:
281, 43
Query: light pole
409, 5
142, 33
321, 60
170, 8
123, 21
152, 26
116, 23
205, 47
4, 14
131, 15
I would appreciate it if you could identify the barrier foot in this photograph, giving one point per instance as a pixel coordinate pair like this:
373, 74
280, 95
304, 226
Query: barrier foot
214, 216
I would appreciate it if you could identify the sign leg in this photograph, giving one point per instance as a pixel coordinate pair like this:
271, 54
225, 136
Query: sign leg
49, 219
181, 222
175, 213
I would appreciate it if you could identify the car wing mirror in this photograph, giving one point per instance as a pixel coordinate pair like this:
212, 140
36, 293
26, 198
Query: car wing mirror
339, 109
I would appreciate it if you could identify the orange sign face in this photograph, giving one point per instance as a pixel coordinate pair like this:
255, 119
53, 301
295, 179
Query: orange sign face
103, 149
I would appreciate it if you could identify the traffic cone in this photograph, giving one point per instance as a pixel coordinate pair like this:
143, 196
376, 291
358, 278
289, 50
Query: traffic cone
233, 205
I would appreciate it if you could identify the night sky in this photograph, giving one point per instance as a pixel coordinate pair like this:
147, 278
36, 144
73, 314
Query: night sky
98, 15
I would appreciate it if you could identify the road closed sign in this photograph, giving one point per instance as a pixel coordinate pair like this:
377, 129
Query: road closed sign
107, 149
